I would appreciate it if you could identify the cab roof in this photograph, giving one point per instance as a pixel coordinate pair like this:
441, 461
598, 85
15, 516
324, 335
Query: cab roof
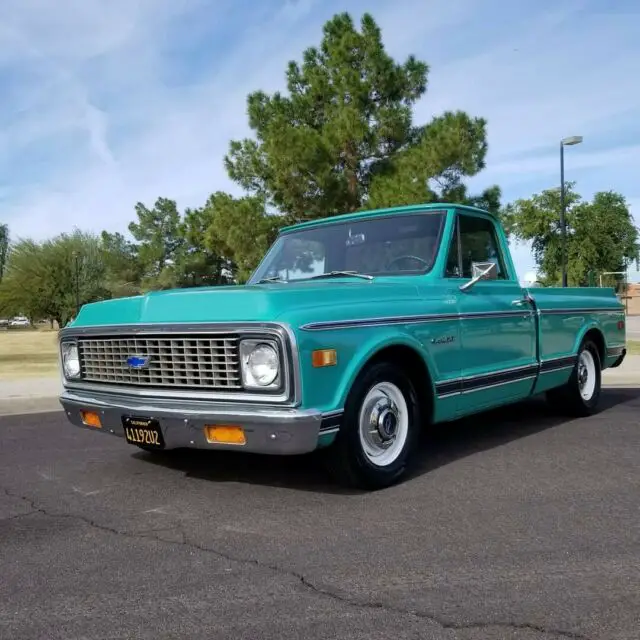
371, 213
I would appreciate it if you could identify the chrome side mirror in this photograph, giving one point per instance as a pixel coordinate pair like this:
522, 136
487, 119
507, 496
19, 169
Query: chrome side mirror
481, 271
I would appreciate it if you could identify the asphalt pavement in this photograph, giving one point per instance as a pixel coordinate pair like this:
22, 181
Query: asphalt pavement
517, 525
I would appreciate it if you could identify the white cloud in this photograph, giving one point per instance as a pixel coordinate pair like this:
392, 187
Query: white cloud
178, 135
549, 165
553, 76
113, 102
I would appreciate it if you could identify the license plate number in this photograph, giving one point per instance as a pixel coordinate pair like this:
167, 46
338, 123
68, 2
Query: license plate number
143, 431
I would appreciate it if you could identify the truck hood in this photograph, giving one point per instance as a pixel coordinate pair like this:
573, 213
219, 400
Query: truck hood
252, 303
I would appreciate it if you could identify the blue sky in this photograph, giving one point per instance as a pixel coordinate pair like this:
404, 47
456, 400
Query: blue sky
108, 103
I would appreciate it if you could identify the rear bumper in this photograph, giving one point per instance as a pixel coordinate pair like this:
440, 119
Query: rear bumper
620, 359
267, 430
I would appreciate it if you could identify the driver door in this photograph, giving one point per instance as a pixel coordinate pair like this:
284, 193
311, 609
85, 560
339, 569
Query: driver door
497, 330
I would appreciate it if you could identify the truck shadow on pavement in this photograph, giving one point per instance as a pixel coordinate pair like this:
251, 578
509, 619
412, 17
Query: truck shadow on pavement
439, 446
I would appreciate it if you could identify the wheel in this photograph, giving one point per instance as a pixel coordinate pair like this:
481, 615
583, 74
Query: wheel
580, 396
378, 436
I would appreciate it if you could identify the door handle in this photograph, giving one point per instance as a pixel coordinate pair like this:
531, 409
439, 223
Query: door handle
519, 303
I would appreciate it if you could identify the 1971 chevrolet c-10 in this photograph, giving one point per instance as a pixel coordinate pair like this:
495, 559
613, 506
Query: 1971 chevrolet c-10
353, 333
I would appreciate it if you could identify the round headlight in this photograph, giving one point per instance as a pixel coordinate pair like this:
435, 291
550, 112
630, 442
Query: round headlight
70, 360
263, 364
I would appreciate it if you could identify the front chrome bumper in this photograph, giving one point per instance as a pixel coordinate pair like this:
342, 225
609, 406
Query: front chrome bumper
270, 430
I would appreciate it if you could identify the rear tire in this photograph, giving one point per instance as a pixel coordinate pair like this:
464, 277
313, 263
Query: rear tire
581, 394
378, 436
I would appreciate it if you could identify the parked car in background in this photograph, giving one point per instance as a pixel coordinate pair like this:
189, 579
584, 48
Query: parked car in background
353, 334
19, 321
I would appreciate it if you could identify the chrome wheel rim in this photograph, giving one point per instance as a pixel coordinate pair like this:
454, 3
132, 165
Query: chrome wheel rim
586, 375
383, 424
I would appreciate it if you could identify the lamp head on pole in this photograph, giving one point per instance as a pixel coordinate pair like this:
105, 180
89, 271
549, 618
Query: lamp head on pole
571, 140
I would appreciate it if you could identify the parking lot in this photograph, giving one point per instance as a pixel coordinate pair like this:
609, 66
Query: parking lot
516, 525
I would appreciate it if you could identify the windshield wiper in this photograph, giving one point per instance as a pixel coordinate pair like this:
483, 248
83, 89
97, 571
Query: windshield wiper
271, 279
337, 274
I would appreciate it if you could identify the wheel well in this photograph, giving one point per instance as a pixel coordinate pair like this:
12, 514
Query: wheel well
410, 361
598, 339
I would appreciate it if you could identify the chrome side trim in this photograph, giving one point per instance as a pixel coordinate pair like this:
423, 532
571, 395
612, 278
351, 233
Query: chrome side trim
498, 384
413, 319
325, 432
570, 311
466, 384
555, 369
331, 422
561, 362
480, 382
291, 394
440, 317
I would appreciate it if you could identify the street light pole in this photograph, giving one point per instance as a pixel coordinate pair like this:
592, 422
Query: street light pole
563, 225
565, 142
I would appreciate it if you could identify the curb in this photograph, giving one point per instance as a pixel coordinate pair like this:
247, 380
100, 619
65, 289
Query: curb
24, 406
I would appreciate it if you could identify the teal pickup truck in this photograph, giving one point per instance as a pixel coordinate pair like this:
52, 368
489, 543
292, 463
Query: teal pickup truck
353, 333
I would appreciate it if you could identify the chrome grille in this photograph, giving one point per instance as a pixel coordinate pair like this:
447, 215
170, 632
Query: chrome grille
187, 362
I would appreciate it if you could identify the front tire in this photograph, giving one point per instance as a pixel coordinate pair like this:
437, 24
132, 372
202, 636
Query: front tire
378, 436
581, 395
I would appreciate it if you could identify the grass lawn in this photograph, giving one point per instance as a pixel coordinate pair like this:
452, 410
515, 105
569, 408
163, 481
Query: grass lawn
28, 354
633, 347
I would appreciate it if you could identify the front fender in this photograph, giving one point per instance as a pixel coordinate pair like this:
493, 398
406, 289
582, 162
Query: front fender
370, 349
327, 388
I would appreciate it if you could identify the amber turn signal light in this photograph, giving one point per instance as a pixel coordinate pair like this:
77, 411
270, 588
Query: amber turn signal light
224, 434
91, 419
324, 358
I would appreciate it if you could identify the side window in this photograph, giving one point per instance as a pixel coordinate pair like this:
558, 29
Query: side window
479, 244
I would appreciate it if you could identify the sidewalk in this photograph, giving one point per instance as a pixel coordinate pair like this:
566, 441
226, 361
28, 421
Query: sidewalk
626, 375
35, 395
29, 395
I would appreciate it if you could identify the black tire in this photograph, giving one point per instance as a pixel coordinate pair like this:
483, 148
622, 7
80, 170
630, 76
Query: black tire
568, 399
346, 458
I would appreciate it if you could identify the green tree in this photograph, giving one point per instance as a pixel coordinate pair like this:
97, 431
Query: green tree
343, 138
160, 243
239, 229
19, 289
4, 248
43, 279
451, 147
601, 235
123, 271
201, 264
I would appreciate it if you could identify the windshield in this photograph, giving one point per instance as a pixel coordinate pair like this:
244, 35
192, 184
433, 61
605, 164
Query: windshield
391, 245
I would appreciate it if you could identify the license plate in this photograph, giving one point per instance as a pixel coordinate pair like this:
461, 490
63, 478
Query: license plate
143, 432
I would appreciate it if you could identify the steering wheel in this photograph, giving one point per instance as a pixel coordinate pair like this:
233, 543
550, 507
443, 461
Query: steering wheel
407, 257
